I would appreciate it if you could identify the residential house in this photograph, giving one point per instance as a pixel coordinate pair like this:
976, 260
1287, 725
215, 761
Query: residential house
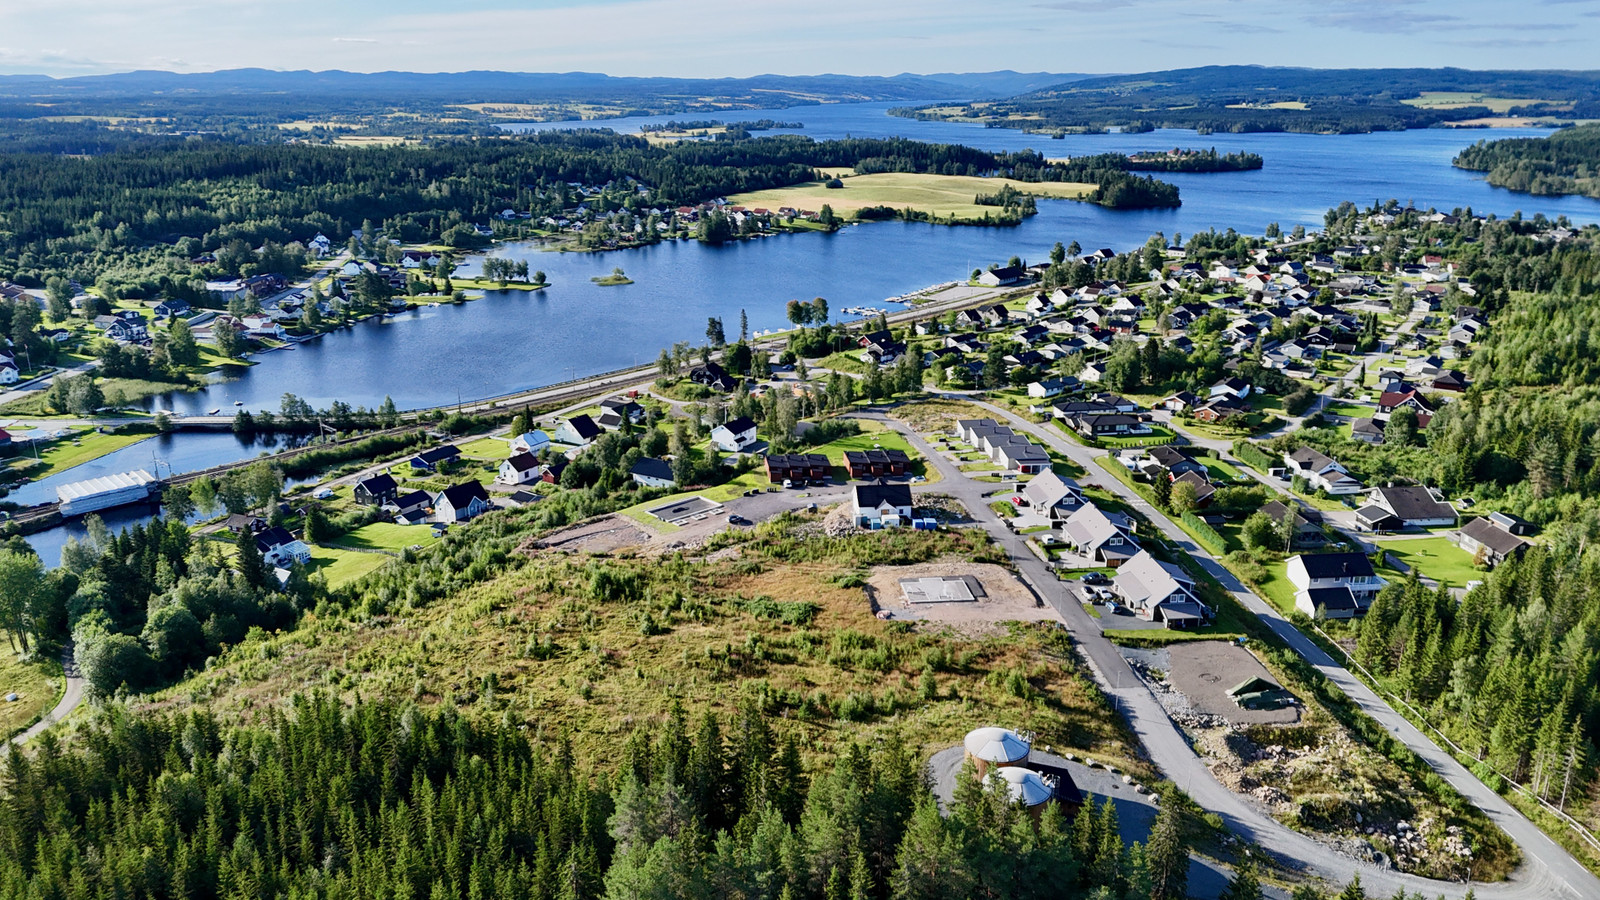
1236, 388
1322, 472
1167, 461
1179, 402
579, 429
171, 309
1093, 372
1000, 276
1053, 496
1021, 455
122, 330
239, 523
1046, 388
551, 471
1306, 529
430, 460
1349, 570
1107, 425
377, 490
1451, 380
280, 549
783, 467
461, 502
519, 469
1101, 536
734, 435
227, 291
881, 505
1328, 603
651, 472
1393, 508
995, 315
1220, 409
1367, 430
615, 411
1158, 591
875, 463
1489, 541
713, 376
9, 373
532, 442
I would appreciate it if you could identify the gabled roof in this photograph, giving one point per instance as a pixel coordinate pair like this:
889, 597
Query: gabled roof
273, 538
1144, 579
379, 485
439, 454
413, 500
1047, 489
585, 427
1492, 536
650, 467
1091, 527
871, 496
1335, 599
1312, 458
523, 462
460, 495
739, 425
1413, 503
1335, 565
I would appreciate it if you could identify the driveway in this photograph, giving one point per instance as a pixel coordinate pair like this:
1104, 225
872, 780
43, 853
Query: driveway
77, 689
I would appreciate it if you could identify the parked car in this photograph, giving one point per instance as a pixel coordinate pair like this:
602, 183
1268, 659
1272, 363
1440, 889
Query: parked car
1095, 578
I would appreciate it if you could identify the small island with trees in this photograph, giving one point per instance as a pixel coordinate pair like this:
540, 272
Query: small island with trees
1566, 162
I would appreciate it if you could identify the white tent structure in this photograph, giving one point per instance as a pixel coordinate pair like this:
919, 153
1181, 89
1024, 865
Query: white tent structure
1025, 785
996, 747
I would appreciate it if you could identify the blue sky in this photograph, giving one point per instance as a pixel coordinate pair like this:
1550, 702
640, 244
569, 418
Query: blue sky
747, 37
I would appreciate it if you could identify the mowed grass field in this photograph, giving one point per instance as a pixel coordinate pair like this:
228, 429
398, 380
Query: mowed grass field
1462, 99
1436, 557
35, 683
944, 196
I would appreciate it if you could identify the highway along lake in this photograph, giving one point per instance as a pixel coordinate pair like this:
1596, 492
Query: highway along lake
514, 340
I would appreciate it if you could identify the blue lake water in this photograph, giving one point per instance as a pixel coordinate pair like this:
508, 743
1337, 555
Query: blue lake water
515, 340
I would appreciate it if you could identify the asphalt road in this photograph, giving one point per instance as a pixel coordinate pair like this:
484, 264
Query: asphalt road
76, 689
1548, 871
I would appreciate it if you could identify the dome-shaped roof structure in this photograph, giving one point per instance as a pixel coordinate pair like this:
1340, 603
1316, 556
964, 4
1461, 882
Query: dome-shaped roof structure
1022, 784
997, 745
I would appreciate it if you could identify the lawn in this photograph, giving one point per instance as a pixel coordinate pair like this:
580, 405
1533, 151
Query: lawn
386, 536
1157, 436
341, 567
1219, 470
36, 684
843, 361
487, 448
1349, 410
1437, 558
944, 196
1276, 587
63, 454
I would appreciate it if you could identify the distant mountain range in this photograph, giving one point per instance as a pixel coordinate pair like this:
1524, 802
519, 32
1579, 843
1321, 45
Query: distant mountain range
522, 87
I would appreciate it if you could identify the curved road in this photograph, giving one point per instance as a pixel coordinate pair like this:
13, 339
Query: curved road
76, 689
1547, 871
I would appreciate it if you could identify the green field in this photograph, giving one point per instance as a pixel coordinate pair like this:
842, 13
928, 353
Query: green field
386, 536
1436, 558
341, 567
37, 684
68, 452
487, 448
1462, 99
945, 196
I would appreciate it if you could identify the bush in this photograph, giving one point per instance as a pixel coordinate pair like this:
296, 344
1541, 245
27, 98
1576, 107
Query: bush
1207, 535
1252, 455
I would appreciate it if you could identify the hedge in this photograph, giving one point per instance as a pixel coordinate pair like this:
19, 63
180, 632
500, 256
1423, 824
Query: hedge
1205, 533
1252, 455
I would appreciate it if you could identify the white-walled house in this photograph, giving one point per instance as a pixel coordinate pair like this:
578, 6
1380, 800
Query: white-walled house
882, 505
519, 469
734, 435
532, 442
1310, 572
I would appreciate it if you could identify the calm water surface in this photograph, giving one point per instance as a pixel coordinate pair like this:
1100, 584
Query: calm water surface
514, 340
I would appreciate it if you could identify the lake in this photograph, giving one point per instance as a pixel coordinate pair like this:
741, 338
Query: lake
514, 340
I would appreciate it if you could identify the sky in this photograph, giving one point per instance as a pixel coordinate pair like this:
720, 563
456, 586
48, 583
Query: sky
721, 38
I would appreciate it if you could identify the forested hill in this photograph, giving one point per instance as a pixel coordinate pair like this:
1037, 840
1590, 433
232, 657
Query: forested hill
1256, 98
1566, 162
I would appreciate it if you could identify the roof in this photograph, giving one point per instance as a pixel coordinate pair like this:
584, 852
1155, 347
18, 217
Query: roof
1312, 458
413, 499
1256, 684
523, 462
650, 467
1302, 516
1047, 489
1410, 503
739, 425
1168, 456
1338, 599
1391, 399
1144, 578
871, 496
103, 484
439, 454
584, 426
1492, 536
379, 484
273, 538
1023, 786
532, 438
460, 495
1335, 565
996, 745
1090, 527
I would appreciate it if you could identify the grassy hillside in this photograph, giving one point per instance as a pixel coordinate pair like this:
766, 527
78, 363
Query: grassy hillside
941, 196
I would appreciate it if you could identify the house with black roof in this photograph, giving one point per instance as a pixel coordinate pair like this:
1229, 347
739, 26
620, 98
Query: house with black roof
652, 472
579, 429
412, 508
377, 490
1001, 275
882, 505
461, 502
1394, 508
1351, 570
430, 460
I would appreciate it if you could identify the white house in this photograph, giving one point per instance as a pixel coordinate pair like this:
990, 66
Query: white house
1099, 535
461, 502
1314, 571
519, 469
734, 435
650, 472
280, 549
532, 442
882, 505
1237, 388
1322, 472
8, 372
579, 429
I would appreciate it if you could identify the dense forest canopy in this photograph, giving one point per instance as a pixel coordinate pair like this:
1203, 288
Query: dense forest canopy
1257, 98
141, 210
1566, 162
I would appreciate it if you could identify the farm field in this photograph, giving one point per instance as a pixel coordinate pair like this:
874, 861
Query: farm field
945, 196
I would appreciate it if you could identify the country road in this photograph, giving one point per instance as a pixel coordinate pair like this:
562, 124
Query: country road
77, 688
1548, 870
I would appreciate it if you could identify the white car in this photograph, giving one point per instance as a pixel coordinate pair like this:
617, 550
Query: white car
322, 493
